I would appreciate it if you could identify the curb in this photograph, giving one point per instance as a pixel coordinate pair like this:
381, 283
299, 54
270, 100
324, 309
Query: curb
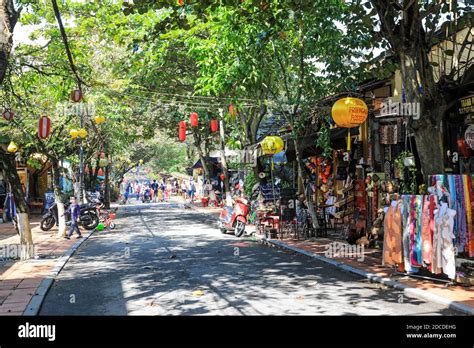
407, 289
36, 301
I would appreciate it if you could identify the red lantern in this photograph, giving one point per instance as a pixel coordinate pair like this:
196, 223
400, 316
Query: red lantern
182, 124
100, 172
182, 134
86, 169
44, 127
462, 146
232, 110
194, 120
76, 95
222, 177
214, 126
8, 115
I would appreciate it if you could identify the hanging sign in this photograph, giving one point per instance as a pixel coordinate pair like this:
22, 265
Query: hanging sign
469, 136
44, 127
466, 105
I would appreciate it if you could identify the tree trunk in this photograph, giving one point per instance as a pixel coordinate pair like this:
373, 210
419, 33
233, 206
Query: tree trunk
23, 220
107, 187
58, 199
307, 190
225, 169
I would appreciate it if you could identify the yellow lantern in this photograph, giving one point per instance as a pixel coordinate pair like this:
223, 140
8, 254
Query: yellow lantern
12, 147
82, 133
141, 161
272, 145
99, 119
74, 133
349, 112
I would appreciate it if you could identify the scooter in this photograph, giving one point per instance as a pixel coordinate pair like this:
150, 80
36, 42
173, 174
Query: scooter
234, 218
89, 217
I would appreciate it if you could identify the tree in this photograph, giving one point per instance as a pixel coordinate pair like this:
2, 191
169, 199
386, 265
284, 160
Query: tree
410, 30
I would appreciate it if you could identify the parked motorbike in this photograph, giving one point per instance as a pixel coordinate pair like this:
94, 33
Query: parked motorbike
88, 218
234, 218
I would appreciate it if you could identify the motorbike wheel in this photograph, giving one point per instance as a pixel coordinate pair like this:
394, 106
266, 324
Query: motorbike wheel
239, 228
112, 225
47, 223
91, 222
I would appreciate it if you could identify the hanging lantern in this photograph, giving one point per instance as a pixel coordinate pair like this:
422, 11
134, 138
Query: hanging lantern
74, 133
12, 147
99, 119
232, 110
214, 126
180, 2
194, 120
86, 169
272, 145
8, 115
140, 161
76, 95
182, 134
129, 162
463, 148
349, 112
103, 162
44, 127
82, 133
100, 172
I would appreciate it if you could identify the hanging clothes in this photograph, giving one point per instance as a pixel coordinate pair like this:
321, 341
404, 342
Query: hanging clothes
392, 243
470, 216
415, 231
406, 223
443, 241
426, 232
461, 227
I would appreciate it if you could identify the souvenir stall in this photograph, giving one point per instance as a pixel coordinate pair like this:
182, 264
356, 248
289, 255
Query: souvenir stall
427, 234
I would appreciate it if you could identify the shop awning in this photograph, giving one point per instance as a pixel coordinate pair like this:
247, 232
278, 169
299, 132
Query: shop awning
212, 160
307, 145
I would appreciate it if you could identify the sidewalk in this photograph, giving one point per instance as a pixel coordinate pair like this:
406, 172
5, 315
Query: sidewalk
455, 296
19, 280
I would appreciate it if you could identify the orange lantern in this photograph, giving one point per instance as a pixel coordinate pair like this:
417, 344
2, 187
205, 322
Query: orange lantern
194, 120
214, 126
181, 2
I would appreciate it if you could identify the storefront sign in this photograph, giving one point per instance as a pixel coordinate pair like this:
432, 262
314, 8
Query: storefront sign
469, 136
466, 105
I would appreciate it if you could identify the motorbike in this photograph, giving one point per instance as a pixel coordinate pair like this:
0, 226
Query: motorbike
88, 218
234, 218
146, 197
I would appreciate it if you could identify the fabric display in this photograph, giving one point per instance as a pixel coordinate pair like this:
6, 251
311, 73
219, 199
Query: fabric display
419, 232
459, 196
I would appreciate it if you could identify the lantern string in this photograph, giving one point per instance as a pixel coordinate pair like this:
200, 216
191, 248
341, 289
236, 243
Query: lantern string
228, 99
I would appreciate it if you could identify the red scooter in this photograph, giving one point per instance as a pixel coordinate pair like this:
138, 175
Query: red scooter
234, 218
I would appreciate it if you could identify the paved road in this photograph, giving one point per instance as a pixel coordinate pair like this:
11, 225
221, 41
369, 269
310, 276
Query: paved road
166, 260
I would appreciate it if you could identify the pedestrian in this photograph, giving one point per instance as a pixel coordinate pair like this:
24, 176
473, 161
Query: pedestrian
154, 187
74, 211
184, 189
192, 191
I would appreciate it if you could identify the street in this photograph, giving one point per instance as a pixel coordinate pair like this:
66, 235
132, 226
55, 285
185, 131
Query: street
166, 260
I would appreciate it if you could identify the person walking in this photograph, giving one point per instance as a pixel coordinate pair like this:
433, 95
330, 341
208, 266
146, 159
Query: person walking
192, 191
75, 212
154, 187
